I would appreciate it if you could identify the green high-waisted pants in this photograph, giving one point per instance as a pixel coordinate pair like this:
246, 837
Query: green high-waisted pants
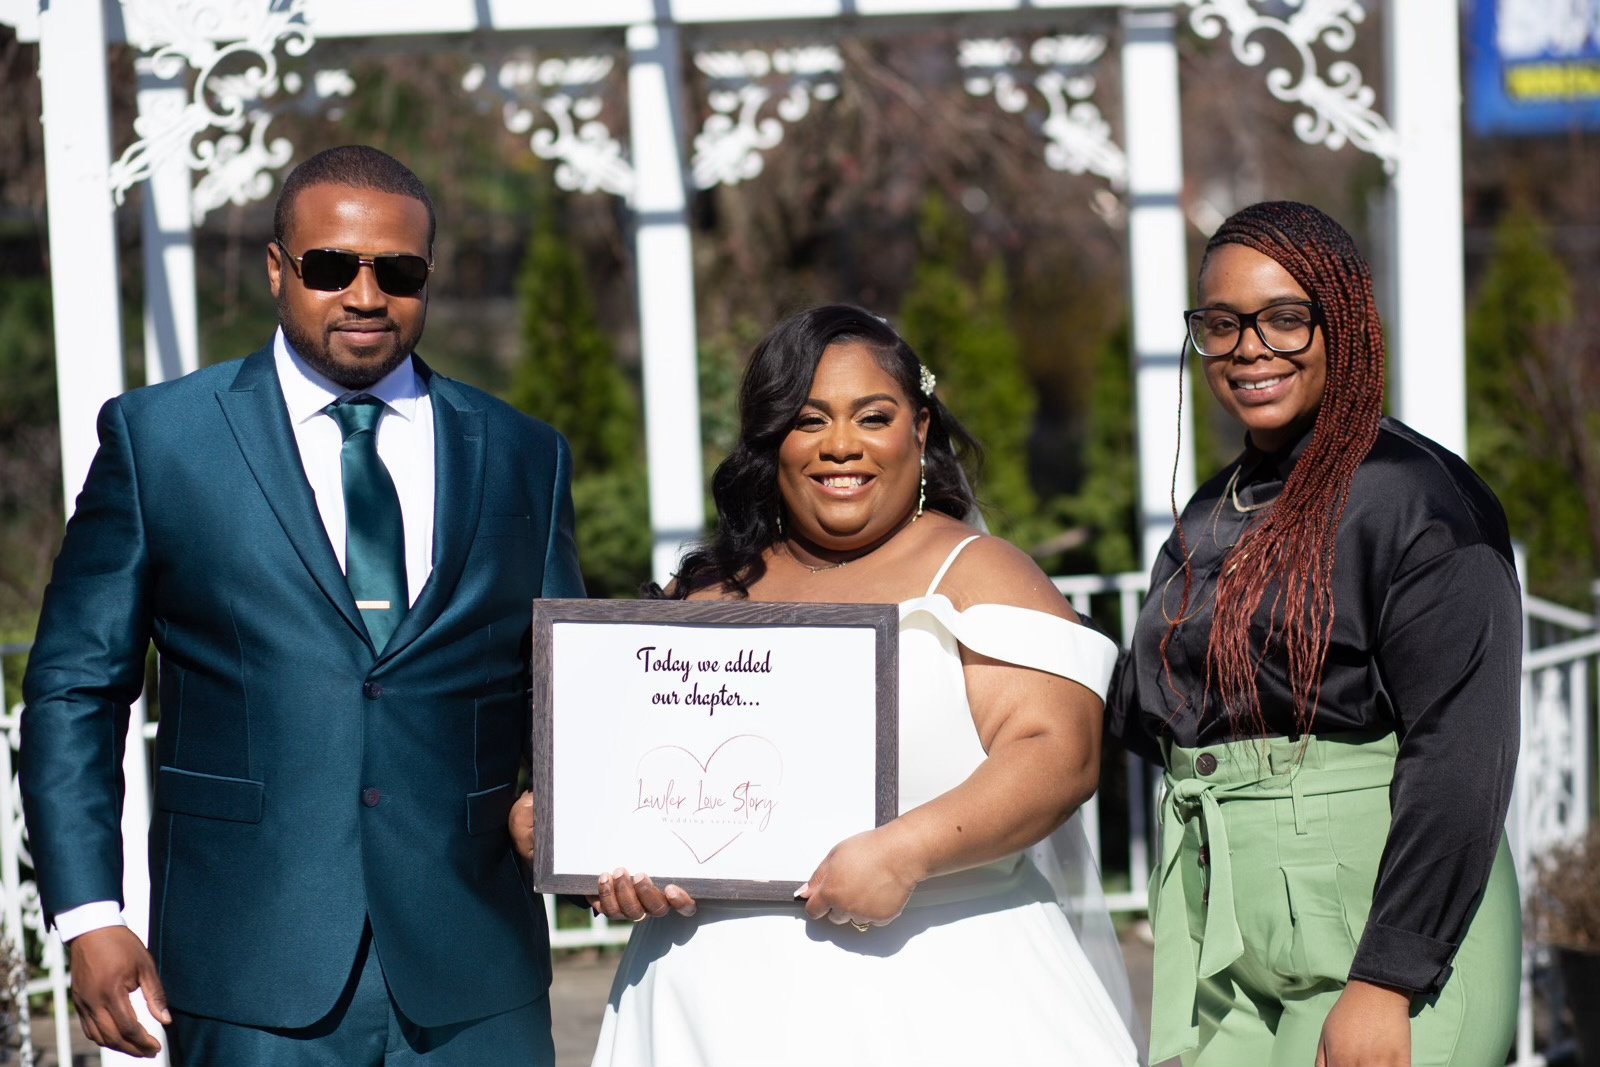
1268, 862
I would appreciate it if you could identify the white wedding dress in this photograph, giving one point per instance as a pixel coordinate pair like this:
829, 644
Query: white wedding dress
983, 967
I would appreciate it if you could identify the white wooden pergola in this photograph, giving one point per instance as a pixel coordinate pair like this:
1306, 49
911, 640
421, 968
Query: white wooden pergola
210, 79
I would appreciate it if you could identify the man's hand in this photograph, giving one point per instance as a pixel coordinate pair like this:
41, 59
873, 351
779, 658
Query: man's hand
1370, 1026
520, 823
107, 965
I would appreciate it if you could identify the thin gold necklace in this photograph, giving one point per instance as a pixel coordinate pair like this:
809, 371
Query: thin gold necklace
1233, 495
789, 550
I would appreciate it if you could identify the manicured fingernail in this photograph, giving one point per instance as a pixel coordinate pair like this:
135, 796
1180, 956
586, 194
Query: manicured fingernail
640, 878
605, 879
618, 873
800, 894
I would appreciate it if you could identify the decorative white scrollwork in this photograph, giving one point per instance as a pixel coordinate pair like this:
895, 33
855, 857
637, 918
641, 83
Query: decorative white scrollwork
728, 148
1061, 70
238, 168
230, 82
570, 93
1339, 106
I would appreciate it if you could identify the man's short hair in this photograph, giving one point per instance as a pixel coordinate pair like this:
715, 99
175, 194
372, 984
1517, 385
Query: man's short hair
355, 166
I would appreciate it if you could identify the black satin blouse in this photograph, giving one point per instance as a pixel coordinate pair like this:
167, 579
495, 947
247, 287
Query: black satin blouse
1427, 642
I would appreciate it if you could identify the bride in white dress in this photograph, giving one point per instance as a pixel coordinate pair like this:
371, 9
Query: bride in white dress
952, 934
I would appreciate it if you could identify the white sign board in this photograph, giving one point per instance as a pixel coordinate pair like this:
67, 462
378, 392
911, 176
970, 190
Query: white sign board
722, 746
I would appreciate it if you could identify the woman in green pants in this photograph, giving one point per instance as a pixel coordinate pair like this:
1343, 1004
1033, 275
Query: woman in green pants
1328, 668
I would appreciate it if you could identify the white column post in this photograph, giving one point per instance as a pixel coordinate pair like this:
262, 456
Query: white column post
88, 326
171, 318
81, 217
665, 267
1157, 263
1427, 317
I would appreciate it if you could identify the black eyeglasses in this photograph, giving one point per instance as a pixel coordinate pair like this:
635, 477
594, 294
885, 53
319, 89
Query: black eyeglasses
331, 270
1286, 329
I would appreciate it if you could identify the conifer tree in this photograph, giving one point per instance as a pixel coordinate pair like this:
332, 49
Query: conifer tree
1106, 504
1521, 436
569, 377
955, 315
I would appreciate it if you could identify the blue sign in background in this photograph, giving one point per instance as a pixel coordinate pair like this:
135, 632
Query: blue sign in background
1534, 66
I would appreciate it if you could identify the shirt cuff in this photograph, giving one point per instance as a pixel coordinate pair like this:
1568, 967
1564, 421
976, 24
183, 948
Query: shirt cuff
1402, 960
95, 915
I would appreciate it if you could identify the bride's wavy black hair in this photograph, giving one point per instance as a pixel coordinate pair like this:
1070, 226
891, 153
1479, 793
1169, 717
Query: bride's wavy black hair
776, 384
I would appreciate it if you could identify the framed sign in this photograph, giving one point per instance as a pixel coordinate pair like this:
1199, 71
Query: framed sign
723, 746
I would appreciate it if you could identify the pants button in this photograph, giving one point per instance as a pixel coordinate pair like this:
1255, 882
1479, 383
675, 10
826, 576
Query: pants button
370, 797
1206, 764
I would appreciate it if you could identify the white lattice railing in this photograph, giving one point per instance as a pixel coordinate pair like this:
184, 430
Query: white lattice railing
1553, 800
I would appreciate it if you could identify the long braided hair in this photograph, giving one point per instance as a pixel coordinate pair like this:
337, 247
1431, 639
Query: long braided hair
1289, 551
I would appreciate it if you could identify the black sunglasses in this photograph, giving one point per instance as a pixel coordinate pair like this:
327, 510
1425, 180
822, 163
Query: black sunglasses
331, 270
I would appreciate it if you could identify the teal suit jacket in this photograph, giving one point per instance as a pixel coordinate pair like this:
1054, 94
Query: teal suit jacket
305, 783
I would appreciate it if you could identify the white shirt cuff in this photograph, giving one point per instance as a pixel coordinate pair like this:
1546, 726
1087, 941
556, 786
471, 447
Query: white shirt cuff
95, 915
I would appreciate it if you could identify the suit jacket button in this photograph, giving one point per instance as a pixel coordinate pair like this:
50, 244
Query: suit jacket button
370, 797
1206, 764
371, 690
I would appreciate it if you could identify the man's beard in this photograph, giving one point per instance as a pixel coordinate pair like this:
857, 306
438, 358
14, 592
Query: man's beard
315, 351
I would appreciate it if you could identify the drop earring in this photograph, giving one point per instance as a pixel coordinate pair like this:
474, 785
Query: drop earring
922, 487
779, 516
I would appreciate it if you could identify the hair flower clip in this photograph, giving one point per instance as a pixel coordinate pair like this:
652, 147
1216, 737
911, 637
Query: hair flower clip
928, 381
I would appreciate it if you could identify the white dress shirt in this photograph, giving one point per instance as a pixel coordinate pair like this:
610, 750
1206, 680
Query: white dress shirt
405, 444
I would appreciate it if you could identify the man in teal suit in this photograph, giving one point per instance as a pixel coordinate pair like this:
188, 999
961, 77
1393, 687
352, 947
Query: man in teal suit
334, 549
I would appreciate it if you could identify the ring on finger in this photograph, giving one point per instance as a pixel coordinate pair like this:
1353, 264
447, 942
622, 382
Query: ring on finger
861, 928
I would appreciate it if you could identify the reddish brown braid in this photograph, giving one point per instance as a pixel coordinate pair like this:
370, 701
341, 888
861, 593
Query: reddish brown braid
1291, 548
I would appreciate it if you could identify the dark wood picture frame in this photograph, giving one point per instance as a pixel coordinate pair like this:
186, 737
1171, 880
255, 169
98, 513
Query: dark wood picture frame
882, 619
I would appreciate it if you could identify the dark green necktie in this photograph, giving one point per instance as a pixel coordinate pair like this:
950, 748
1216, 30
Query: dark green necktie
375, 539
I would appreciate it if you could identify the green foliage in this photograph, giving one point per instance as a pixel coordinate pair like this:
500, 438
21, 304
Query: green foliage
721, 366
1106, 504
237, 312
1523, 303
613, 513
568, 376
27, 356
30, 457
1524, 290
955, 315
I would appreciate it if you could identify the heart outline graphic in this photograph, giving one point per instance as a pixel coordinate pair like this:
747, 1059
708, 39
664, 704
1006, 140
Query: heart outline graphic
705, 768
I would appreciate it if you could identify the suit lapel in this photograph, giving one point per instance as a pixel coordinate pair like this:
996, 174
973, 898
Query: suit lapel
256, 413
459, 449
